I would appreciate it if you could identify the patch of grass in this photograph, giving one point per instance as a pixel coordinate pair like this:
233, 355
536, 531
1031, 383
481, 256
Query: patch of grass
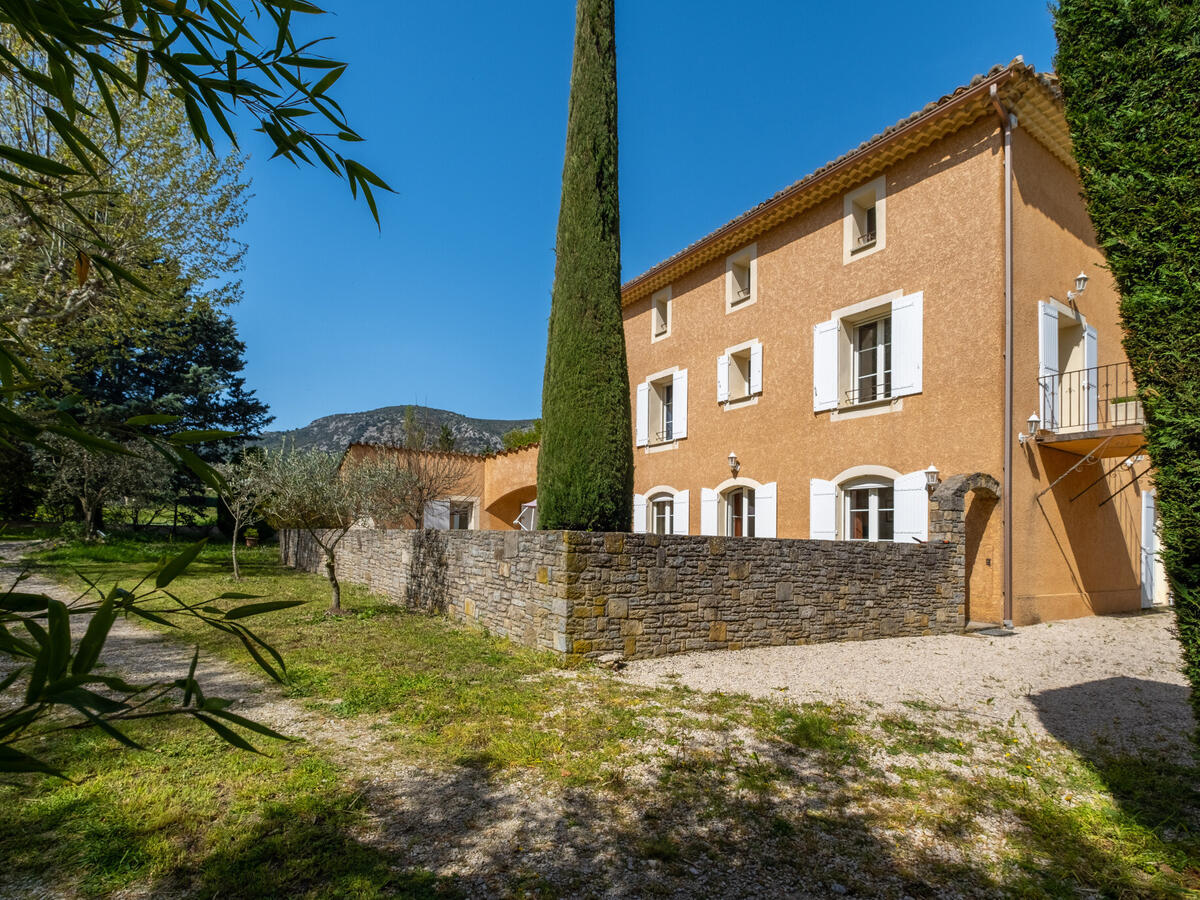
813, 726
196, 816
447, 692
26, 531
915, 738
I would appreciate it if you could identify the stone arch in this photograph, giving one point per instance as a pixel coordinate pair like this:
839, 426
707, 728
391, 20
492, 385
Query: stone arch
962, 513
948, 505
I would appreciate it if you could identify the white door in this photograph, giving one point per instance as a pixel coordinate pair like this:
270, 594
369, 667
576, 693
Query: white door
1154, 580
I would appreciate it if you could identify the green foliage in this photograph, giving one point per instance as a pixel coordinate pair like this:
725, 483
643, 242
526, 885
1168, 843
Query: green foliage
446, 439
1130, 73
522, 437
57, 682
585, 465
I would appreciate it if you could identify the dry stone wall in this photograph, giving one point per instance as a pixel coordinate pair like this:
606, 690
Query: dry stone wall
641, 595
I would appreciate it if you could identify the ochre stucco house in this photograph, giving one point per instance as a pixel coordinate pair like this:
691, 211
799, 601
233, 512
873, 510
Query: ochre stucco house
797, 372
801, 371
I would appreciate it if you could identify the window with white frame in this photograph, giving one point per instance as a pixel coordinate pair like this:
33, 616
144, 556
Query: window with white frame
739, 512
869, 511
663, 510
662, 514
880, 505
661, 409
871, 378
864, 220
660, 314
462, 512
739, 372
869, 353
741, 278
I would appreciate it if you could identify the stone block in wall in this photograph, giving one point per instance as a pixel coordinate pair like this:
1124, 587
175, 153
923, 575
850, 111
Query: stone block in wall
660, 580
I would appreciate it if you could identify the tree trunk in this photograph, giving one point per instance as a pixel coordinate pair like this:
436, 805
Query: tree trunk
335, 605
237, 576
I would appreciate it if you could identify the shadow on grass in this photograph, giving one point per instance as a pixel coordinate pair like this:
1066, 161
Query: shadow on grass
305, 848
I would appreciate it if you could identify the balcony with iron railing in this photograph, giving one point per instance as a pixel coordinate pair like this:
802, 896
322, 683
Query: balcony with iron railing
1085, 409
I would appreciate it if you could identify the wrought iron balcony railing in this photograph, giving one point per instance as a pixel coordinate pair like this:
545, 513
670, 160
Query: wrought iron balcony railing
1090, 399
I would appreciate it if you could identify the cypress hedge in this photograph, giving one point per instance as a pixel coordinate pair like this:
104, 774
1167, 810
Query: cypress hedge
585, 465
1130, 73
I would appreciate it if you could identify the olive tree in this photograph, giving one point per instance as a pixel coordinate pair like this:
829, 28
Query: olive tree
242, 483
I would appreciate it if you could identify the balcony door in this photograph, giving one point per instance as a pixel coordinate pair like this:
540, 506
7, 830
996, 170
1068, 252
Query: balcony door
1067, 370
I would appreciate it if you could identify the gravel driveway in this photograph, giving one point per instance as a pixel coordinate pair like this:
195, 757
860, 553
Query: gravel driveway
1105, 680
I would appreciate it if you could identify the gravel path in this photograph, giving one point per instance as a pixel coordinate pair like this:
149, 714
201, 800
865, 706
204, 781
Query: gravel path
1112, 680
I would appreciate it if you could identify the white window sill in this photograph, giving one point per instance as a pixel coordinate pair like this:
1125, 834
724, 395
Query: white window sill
872, 408
740, 402
662, 446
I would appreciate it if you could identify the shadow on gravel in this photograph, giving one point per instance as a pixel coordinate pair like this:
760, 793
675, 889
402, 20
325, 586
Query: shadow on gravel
1119, 715
707, 827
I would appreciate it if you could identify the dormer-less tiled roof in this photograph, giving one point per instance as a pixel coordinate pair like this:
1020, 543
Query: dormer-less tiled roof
1035, 98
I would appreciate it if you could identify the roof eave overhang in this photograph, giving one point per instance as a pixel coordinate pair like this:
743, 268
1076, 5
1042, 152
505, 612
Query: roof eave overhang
1037, 108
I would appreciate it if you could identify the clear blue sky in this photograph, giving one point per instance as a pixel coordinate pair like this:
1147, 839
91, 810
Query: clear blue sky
463, 105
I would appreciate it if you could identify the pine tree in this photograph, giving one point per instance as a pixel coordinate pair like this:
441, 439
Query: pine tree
1130, 73
585, 466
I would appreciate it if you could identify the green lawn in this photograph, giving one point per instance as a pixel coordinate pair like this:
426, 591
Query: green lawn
917, 802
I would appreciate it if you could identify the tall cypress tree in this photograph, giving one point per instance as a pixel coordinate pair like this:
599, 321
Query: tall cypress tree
1130, 73
585, 466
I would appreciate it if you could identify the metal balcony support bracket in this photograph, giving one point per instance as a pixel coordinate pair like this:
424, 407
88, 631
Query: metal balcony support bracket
1113, 496
1106, 474
1091, 457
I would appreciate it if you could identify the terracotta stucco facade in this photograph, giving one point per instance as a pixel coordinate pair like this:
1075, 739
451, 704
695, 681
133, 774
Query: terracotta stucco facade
945, 239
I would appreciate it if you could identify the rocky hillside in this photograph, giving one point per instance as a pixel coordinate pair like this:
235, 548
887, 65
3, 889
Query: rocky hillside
386, 426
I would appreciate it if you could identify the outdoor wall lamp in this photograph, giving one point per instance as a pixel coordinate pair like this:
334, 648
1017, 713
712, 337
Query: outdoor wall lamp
734, 465
1034, 421
1081, 281
931, 477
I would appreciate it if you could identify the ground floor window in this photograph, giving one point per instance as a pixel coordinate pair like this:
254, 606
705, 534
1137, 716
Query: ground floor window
461, 513
662, 512
869, 512
739, 512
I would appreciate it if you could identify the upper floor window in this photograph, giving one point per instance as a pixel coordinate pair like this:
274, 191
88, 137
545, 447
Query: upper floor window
741, 278
872, 376
739, 372
864, 220
660, 314
869, 352
661, 408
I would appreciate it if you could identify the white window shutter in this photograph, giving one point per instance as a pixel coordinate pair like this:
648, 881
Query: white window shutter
681, 512
907, 344
679, 398
766, 500
437, 515
1091, 354
643, 414
1048, 364
756, 369
822, 510
708, 511
722, 378
639, 513
825, 365
912, 508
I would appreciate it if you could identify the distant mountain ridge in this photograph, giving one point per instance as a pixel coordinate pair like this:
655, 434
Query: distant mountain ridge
335, 433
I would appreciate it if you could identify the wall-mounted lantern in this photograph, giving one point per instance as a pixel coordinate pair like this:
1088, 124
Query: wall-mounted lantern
931, 478
1034, 424
1081, 281
734, 465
